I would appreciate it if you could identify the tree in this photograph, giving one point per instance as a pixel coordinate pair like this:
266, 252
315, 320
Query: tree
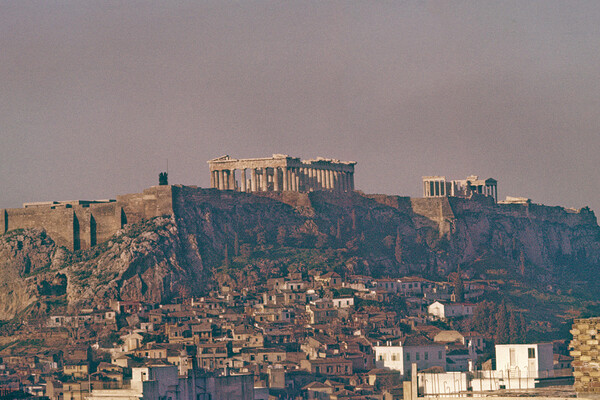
513, 329
502, 330
236, 244
522, 263
522, 329
163, 179
459, 286
398, 248
485, 318
261, 238
226, 255
281, 235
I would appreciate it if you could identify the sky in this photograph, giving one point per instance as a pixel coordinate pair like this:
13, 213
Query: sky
96, 96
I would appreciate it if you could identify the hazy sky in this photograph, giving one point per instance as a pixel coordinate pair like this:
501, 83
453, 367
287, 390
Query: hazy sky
95, 96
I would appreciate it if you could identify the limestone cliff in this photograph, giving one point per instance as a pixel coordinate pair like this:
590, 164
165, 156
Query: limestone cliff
239, 239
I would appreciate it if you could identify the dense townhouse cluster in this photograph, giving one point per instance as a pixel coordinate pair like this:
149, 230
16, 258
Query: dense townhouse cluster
311, 336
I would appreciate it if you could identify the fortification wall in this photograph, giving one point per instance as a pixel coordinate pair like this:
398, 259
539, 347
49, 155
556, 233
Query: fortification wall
559, 215
80, 226
435, 208
401, 203
58, 222
570, 217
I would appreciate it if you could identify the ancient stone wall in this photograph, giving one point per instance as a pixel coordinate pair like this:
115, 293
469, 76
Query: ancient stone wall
402, 203
586, 356
80, 225
436, 209
58, 222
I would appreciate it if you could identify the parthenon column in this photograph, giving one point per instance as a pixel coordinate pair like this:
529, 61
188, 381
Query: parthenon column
253, 179
303, 179
284, 178
231, 185
332, 179
311, 178
276, 179
327, 180
319, 179
221, 180
243, 179
264, 179
293, 186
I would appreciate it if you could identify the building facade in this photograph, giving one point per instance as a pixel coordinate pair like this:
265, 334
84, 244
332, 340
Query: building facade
281, 173
401, 355
450, 310
527, 360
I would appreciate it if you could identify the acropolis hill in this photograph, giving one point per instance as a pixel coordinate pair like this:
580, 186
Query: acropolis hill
173, 239
81, 224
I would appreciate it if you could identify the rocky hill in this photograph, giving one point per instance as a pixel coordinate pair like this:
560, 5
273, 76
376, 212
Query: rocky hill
239, 239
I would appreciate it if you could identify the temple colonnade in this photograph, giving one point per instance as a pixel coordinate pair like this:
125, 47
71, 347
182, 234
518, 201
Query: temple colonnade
281, 173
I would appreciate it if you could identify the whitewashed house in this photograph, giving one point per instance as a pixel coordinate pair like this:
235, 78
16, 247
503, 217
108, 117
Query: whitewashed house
399, 355
441, 310
531, 360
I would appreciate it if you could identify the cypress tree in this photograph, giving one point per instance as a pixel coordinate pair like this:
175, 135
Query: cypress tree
226, 255
236, 244
398, 248
502, 331
522, 329
513, 329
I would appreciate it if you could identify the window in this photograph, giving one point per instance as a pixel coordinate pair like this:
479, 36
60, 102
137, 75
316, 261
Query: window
407, 356
380, 357
531, 352
426, 355
439, 355
418, 356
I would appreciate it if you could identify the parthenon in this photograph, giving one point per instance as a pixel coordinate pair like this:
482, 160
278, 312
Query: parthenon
281, 173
